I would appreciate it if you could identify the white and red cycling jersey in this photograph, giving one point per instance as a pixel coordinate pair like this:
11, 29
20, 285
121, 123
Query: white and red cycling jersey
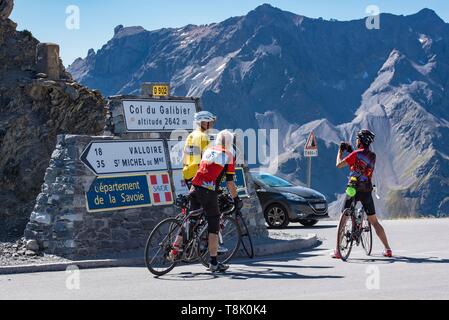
216, 162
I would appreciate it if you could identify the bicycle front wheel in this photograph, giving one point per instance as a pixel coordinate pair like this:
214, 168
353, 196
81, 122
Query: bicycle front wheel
367, 237
247, 242
159, 245
228, 241
345, 238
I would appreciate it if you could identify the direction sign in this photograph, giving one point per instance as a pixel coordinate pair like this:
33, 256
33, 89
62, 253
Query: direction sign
158, 115
118, 193
176, 150
179, 183
311, 148
119, 156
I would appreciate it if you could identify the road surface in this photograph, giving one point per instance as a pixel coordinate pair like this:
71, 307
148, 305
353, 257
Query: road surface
420, 270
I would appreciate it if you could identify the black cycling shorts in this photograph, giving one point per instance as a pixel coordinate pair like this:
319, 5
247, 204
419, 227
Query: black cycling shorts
208, 200
366, 198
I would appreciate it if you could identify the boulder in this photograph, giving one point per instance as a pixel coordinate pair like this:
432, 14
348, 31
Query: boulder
6, 7
32, 245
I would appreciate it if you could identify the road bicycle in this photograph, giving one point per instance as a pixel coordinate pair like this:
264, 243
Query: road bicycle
193, 227
354, 227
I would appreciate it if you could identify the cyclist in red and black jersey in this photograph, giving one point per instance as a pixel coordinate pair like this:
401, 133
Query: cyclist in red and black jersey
217, 162
362, 163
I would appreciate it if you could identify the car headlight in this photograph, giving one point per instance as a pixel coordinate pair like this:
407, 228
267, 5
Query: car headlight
293, 197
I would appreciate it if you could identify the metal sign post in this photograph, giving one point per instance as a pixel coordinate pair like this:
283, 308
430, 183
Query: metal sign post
309, 176
310, 151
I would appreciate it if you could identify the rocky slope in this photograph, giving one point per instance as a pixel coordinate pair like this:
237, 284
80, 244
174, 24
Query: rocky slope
276, 69
33, 111
412, 173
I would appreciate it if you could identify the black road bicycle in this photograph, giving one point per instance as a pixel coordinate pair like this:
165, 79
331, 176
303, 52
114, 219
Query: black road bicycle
193, 227
354, 227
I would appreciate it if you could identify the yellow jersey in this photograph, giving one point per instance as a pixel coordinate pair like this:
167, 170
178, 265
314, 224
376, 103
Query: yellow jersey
196, 143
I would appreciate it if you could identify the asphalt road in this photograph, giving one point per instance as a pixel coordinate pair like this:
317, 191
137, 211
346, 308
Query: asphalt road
420, 270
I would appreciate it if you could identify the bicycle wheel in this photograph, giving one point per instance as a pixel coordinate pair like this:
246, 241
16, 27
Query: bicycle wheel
229, 241
367, 236
247, 242
159, 244
345, 238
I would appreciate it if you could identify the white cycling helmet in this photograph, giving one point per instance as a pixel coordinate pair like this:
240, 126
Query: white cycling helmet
226, 139
205, 116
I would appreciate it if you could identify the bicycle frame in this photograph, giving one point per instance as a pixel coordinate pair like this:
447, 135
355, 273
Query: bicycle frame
186, 217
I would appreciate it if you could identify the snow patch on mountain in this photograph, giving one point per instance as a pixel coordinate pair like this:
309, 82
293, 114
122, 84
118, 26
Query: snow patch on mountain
198, 79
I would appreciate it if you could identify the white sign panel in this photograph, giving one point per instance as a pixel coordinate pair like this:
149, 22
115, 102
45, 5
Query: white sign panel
158, 115
116, 157
179, 183
310, 153
176, 149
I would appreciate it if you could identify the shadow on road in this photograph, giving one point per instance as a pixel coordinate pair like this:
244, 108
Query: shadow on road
382, 260
299, 227
244, 274
261, 268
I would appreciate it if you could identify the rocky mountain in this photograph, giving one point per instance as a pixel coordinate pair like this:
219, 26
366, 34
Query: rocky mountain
33, 111
276, 69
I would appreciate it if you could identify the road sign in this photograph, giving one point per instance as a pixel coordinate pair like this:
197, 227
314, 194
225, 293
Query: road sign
161, 90
120, 156
179, 183
118, 193
158, 115
240, 182
176, 150
311, 148
160, 188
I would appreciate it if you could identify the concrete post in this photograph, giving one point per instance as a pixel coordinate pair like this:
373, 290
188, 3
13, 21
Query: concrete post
47, 60
145, 89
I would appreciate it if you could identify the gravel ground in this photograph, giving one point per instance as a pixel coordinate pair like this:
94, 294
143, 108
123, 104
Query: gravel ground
15, 254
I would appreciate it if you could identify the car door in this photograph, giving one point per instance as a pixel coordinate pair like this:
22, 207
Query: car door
262, 194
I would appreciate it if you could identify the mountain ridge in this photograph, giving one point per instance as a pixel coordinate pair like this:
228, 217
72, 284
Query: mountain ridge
276, 69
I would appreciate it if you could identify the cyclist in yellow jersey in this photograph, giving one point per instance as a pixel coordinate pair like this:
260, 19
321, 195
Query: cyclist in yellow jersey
196, 143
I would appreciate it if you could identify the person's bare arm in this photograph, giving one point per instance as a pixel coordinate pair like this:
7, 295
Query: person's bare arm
340, 162
232, 189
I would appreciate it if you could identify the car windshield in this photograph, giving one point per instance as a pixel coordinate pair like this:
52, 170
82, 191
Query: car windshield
272, 181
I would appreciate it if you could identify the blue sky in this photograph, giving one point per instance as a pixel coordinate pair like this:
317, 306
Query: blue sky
47, 18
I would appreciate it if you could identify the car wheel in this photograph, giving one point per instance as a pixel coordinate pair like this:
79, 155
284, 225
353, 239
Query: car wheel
308, 223
276, 216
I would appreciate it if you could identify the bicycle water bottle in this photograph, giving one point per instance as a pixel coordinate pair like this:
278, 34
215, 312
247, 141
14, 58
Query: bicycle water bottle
351, 190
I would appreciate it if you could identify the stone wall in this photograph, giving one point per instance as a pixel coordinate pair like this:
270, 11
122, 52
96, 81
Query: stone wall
60, 221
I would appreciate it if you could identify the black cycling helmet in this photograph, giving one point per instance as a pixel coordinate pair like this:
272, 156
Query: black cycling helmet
366, 137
